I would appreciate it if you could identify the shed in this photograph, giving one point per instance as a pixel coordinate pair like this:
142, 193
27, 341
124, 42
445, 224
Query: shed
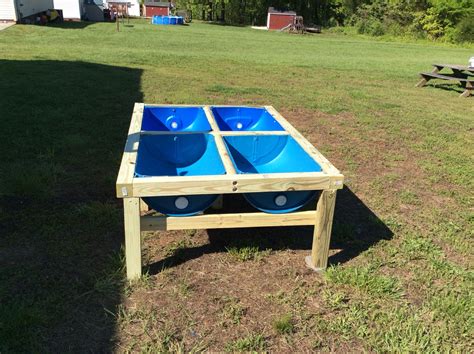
15, 10
72, 9
277, 20
157, 8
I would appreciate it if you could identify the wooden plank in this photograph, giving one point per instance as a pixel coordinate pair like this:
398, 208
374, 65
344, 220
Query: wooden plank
239, 183
224, 221
455, 67
445, 77
469, 88
143, 207
423, 81
322, 231
221, 148
133, 248
326, 166
129, 157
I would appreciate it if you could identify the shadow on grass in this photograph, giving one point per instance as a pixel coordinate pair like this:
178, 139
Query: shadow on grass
62, 127
71, 24
225, 24
452, 87
356, 228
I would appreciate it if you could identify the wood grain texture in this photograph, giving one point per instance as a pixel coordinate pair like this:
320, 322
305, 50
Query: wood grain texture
221, 148
322, 230
224, 221
129, 157
143, 207
133, 244
230, 184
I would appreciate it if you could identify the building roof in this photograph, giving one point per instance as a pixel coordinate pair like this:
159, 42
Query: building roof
272, 10
157, 3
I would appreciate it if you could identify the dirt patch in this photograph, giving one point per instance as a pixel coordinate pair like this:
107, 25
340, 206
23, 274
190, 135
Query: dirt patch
384, 171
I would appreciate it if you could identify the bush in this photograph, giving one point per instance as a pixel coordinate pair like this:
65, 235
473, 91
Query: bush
451, 20
465, 30
372, 27
432, 24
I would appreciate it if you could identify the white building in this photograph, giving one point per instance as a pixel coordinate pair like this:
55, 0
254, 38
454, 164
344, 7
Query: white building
72, 9
15, 10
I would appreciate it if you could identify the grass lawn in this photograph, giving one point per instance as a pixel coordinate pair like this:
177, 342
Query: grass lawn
401, 276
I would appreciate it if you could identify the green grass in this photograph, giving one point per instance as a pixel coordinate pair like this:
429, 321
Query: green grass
246, 253
283, 324
251, 343
404, 225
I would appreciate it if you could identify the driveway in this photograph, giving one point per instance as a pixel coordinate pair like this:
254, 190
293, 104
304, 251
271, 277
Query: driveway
4, 25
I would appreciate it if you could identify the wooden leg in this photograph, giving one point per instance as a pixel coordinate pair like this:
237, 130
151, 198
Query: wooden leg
422, 82
322, 231
133, 244
143, 207
467, 91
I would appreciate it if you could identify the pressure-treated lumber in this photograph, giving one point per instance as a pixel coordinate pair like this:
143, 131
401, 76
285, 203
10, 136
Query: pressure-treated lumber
322, 231
133, 246
129, 158
230, 184
224, 221
143, 207
224, 154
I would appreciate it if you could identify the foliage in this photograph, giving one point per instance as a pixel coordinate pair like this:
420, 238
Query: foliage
432, 19
464, 31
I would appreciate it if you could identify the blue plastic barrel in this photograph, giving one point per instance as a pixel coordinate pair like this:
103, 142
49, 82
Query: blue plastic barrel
167, 20
178, 155
245, 119
272, 154
175, 119
157, 20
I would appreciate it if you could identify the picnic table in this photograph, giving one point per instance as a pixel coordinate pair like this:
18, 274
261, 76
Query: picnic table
460, 73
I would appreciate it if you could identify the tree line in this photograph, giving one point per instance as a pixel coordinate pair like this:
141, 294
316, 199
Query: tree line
452, 20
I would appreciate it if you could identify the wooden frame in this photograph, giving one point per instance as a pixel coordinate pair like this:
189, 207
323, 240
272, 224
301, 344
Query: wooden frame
131, 189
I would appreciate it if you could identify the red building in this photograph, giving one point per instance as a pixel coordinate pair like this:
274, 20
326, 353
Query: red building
157, 8
276, 20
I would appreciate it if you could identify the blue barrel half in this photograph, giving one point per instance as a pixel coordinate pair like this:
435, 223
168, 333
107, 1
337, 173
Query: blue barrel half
272, 154
178, 155
175, 119
167, 20
245, 119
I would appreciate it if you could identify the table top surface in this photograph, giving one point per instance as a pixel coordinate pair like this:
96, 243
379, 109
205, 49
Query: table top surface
456, 67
